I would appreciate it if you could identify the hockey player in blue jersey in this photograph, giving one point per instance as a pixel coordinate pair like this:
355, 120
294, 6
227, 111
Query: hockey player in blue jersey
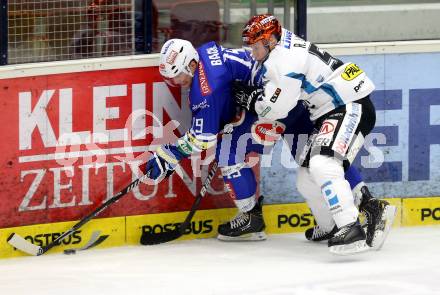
209, 73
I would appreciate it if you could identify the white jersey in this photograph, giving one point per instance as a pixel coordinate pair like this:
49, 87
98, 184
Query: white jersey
298, 70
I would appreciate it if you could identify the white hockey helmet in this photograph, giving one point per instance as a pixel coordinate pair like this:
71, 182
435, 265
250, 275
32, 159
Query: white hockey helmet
175, 57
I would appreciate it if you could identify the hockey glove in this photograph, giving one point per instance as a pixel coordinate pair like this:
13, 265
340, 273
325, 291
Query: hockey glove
246, 96
163, 162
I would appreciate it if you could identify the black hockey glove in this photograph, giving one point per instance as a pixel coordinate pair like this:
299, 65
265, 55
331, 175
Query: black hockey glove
246, 96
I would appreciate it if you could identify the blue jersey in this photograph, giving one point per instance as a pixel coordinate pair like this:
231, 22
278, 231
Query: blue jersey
210, 99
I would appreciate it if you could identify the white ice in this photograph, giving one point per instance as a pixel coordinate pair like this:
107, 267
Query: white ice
284, 264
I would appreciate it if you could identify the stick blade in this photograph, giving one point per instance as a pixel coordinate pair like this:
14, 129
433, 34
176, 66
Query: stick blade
159, 238
21, 244
94, 241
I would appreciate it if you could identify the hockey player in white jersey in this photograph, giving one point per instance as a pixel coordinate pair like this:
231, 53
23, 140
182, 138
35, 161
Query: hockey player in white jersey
337, 97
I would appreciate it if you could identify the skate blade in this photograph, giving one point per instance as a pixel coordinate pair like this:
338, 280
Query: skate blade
259, 236
350, 249
381, 235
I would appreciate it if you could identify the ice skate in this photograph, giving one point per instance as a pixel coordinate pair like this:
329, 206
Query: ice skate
379, 216
246, 226
317, 234
350, 239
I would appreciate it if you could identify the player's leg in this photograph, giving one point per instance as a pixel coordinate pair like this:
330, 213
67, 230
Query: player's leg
241, 182
336, 191
311, 192
354, 178
248, 224
340, 137
379, 214
299, 127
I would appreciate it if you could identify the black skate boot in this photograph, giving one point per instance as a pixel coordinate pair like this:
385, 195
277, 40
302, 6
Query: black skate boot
246, 226
350, 239
380, 216
317, 234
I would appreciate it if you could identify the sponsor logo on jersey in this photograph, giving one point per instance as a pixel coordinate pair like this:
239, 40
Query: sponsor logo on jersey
203, 81
275, 95
350, 72
331, 197
171, 57
327, 127
358, 87
347, 130
202, 105
267, 132
326, 133
265, 111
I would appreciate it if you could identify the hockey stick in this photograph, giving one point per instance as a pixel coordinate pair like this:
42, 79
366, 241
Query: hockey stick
94, 241
23, 245
152, 238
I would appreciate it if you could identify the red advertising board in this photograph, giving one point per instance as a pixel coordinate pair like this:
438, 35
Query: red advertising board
71, 141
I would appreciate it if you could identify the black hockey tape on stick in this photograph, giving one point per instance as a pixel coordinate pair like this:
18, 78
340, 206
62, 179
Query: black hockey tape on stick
152, 238
23, 245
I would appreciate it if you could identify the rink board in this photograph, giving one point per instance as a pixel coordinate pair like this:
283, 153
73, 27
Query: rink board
43, 234
421, 211
280, 218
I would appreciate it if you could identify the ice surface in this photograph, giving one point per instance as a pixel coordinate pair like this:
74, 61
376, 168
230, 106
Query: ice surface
284, 264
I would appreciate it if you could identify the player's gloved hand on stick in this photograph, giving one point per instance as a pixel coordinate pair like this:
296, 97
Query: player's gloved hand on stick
246, 96
163, 162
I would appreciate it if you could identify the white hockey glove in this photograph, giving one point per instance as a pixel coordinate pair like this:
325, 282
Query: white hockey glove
246, 96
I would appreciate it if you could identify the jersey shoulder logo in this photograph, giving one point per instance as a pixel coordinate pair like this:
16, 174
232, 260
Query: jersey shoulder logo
351, 71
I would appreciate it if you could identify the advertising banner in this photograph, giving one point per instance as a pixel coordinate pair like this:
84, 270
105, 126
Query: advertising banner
402, 158
103, 232
71, 141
